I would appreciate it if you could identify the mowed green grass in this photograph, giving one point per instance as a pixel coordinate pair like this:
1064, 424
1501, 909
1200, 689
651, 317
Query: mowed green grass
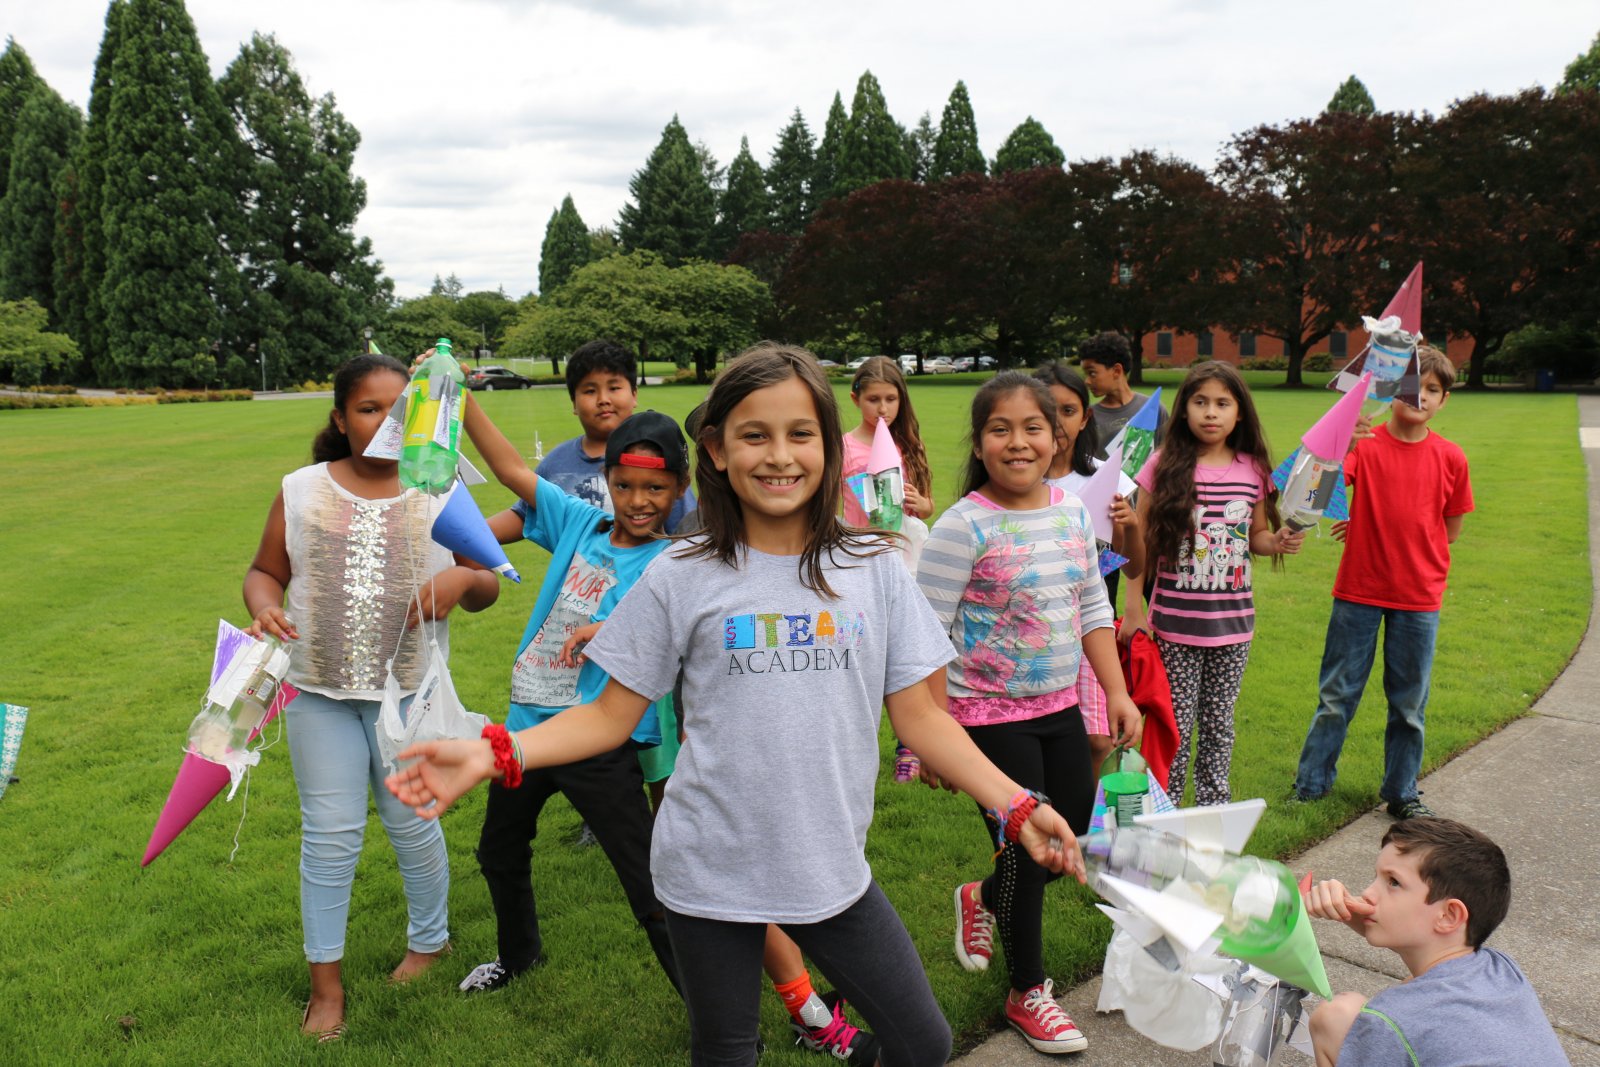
125, 535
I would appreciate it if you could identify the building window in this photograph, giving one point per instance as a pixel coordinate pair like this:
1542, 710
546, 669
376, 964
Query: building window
1124, 274
1204, 338
1247, 344
1338, 344
1164, 344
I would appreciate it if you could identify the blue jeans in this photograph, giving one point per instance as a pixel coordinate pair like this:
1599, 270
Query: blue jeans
334, 748
1408, 640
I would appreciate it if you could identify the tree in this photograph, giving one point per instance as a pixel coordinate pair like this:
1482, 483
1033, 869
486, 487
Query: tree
47, 132
171, 177
566, 246
956, 151
791, 176
18, 79
873, 149
1352, 98
746, 207
920, 144
723, 308
1026, 147
414, 325
450, 288
825, 181
673, 210
486, 313
1583, 72
28, 352
311, 285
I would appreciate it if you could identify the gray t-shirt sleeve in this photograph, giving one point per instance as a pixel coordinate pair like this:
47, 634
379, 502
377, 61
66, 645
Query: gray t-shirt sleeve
1374, 1041
921, 644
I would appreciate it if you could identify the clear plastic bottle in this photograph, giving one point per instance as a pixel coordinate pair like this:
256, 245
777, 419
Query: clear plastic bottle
248, 686
431, 445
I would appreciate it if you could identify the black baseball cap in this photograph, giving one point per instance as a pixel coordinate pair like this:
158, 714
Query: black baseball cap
648, 428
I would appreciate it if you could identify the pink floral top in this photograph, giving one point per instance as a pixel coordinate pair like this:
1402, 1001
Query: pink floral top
1014, 589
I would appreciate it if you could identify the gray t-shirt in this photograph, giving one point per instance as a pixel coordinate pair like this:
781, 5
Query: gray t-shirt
1472, 1010
766, 814
1107, 421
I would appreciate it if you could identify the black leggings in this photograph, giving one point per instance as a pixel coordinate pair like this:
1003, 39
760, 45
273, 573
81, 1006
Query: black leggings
1049, 754
864, 951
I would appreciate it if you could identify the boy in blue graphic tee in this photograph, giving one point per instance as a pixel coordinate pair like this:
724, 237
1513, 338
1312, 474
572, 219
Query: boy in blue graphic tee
594, 561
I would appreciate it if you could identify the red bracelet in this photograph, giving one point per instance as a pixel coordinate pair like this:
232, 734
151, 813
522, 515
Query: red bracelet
507, 760
1019, 813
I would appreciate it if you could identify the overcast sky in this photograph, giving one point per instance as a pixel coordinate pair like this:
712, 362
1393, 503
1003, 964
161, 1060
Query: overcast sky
477, 116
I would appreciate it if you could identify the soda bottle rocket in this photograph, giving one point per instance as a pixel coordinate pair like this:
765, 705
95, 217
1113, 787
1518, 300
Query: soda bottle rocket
248, 686
431, 443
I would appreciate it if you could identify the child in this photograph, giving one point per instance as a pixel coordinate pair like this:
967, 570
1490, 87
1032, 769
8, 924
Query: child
351, 547
594, 561
879, 392
1074, 464
791, 629
1441, 890
602, 382
1412, 490
1207, 507
1107, 360
1010, 570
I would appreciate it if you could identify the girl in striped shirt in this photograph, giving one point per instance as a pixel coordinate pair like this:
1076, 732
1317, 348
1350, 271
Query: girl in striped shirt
1208, 507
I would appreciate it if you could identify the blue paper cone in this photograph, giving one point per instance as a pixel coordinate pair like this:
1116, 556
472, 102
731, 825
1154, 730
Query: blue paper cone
462, 529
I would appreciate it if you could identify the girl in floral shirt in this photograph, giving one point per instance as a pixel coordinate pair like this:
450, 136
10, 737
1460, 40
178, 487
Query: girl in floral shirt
1011, 571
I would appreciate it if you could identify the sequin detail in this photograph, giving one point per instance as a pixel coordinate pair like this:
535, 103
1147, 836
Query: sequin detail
365, 555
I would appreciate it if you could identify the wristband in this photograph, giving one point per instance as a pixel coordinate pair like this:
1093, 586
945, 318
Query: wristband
507, 754
1008, 824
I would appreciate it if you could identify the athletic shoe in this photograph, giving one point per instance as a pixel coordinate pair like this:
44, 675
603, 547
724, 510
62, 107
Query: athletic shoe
837, 1038
1042, 1023
974, 929
486, 977
585, 838
1410, 809
906, 764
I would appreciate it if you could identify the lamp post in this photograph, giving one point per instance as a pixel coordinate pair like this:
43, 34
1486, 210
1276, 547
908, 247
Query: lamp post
261, 357
367, 333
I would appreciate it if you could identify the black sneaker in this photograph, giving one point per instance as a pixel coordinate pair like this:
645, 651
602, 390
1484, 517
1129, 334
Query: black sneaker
838, 1038
1410, 809
487, 977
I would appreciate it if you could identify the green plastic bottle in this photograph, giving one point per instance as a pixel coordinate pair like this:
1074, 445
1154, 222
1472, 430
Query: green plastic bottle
431, 445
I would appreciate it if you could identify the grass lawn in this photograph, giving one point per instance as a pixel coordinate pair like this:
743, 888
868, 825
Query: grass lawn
126, 534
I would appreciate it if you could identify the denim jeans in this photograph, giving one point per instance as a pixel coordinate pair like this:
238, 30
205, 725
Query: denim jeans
1408, 640
334, 749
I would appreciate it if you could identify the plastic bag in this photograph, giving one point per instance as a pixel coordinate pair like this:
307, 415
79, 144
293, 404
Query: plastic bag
1163, 1004
435, 713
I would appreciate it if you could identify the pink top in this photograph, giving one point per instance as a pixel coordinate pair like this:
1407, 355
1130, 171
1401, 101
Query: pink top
855, 461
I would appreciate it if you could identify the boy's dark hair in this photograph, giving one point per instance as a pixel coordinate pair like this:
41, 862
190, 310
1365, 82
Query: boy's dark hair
1458, 862
331, 443
1432, 361
1109, 349
601, 355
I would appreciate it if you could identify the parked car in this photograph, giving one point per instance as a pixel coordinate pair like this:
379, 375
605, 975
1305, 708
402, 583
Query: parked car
938, 365
856, 364
826, 364
908, 362
987, 363
492, 378
962, 363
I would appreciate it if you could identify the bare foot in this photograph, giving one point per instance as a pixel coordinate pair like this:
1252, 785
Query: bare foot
416, 963
324, 1018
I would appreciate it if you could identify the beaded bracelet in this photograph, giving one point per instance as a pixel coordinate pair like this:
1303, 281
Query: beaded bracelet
507, 754
1008, 824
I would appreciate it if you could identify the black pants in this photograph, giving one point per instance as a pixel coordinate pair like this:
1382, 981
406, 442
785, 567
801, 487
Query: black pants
1049, 754
864, 951
608, 792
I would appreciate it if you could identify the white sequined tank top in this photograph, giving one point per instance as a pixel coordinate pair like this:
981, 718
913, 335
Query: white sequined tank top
356, 564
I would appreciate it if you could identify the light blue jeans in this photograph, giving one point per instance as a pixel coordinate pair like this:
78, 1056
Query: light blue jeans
334, 748
1408, 641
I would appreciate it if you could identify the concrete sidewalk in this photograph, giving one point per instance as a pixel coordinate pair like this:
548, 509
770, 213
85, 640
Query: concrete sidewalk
1551, 837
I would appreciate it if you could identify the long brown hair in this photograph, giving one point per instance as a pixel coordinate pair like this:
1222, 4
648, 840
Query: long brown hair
1172, 493
983, 401
903, 428
722, 536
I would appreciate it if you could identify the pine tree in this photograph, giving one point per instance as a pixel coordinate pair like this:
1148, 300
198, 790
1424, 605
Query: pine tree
18, 79
1026, 147
1583, 72
47, 133
566, 247
790, 176
674, 209
450, 287
956, 151
874, 147
171, 177
825, 184
746, 207
310, 284
920, 143
1352, 97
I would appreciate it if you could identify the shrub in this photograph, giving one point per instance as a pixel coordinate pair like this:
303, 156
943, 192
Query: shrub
196, 396
61, 390
23, 403
310, 385
1570, 352
1264, 363
1320, 361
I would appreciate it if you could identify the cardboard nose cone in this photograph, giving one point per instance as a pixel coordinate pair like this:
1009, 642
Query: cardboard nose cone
198, 783
1329, 437
1294, 959
462, 529
883, 455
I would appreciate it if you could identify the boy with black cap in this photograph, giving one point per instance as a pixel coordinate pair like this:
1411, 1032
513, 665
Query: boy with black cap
594, 560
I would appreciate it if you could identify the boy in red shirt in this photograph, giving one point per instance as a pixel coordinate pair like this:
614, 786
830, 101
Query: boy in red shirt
1410, 492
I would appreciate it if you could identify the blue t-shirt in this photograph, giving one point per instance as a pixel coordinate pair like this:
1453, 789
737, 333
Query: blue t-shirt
584, 477
588, 575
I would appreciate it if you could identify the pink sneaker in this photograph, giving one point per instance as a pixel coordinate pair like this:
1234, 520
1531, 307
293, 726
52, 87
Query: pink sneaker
974, 929
906, 764
1040, 1020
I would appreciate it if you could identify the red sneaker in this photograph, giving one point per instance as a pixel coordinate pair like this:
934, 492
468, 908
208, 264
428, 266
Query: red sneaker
1040, 1020
974, 929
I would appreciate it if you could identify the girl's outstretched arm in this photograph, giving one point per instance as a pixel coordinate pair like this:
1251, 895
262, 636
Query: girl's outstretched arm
267, 578
944, 745
1127, 536
446, 770
509, 468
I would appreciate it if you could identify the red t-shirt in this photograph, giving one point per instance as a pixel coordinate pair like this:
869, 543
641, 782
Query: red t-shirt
1396, 553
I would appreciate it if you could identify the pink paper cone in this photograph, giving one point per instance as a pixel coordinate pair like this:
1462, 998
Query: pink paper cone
1407, 302
1329, 436
884, 456
198, 783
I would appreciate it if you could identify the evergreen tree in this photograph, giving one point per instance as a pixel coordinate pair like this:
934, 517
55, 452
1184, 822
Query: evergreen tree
874, 147
566, 247
920, 143
310, 284
1026, 147
47, 132
791, 174
956, 151
746, 207
1352, 97
674, 209
1583, 72
18, 79
451, 288
825, 184
171, 176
